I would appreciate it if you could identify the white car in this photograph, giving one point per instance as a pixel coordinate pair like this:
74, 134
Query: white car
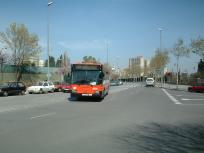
41, 87
150, 82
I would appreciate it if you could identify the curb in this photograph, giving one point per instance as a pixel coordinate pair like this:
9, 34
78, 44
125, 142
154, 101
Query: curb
174, 88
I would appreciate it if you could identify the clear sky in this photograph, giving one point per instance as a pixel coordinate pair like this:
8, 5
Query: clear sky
81, 27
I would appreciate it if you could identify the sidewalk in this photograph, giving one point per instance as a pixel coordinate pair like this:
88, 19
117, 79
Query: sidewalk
173, 86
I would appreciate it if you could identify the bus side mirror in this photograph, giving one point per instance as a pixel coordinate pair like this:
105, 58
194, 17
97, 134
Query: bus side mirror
101, 75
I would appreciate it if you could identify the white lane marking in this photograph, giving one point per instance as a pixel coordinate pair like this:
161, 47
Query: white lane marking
43, 115
185, 99
193, 104
171, 97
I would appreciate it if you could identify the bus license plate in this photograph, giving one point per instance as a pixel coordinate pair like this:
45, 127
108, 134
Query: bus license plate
86, 94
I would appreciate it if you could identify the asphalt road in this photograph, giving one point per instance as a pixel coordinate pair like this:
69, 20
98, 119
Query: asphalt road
132, 118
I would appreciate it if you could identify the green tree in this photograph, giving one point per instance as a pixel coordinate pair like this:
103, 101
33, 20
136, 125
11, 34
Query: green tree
159, 60
107, 69
22, 44
135, 70
179, 50
89, 59
3, 56
197, 47
63, 64
3, 59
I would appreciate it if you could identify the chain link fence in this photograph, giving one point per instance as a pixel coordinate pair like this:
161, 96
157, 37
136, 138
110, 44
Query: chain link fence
30, 74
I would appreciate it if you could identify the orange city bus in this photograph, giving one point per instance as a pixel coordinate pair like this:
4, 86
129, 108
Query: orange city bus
89, 80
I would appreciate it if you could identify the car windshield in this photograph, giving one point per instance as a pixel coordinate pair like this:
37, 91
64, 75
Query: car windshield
4, 84
85, 77
38, 84
150, 79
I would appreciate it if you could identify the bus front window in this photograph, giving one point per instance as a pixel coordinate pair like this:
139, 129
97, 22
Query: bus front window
86, 77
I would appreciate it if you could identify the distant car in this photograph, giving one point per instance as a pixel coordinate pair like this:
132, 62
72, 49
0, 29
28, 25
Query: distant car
41, 87
66, 88
12, 88
199, 87
120, 83
150, 82
114, 83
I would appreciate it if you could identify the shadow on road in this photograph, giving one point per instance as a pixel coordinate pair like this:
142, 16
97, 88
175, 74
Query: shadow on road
84, 99
163, 138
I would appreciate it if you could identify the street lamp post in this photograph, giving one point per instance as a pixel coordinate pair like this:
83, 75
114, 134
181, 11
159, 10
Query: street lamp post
48, 40
162, 71
107, 51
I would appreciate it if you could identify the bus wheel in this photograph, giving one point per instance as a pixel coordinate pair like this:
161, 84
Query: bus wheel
73, 96
102, 95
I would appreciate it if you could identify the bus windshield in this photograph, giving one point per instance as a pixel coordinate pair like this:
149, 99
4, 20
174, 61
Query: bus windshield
90, 77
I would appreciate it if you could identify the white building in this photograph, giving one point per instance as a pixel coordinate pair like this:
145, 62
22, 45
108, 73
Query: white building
34, 60
140, 62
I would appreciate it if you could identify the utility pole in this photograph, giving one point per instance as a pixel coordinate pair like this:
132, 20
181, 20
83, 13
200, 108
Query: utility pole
48, 40
162, 71
107, 52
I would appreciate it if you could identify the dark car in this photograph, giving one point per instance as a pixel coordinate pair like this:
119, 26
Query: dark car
199, 87
12, 88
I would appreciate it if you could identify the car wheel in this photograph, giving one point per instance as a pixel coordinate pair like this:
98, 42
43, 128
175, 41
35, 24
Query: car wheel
41, 91
5, 94
190, 90
23, 92
45, 92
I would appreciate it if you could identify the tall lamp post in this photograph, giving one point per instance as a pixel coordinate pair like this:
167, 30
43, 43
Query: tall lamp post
48, 39
160, 48
107, 51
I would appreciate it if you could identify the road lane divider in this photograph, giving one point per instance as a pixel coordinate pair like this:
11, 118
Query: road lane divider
43, 115
186, 99
171, 97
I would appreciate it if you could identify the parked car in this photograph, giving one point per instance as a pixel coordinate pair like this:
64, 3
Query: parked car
52, 86
12, 88
41, 87
150, 82
199, 87
66, 88
59, 86
120, 83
